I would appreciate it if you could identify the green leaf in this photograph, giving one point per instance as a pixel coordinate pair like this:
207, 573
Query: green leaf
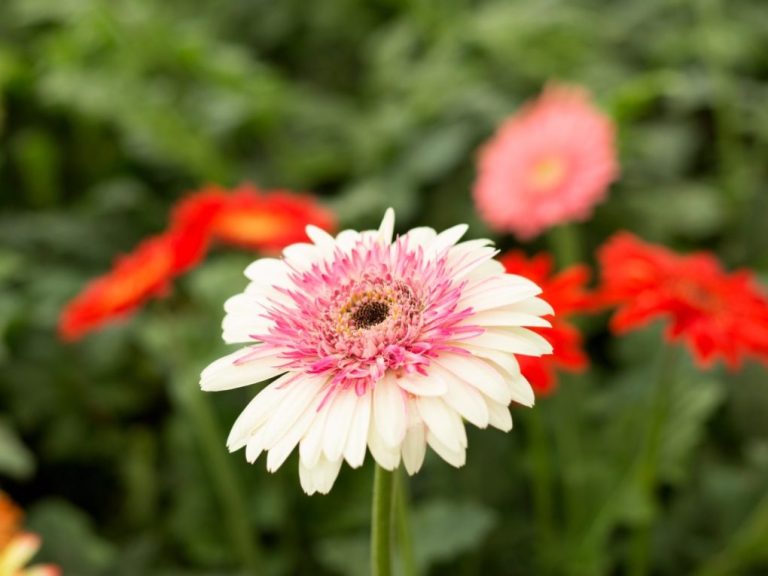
693, 401
69, 539
445, 529
349, 555
15, 459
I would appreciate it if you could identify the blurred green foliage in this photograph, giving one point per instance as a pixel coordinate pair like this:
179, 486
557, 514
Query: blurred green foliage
110, 110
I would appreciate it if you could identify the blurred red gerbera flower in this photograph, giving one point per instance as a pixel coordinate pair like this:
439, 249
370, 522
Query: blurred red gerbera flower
136, 277
717, 314
567, 294
268, 221
247, 218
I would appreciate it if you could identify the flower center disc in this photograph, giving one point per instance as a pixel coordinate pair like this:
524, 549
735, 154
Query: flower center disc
547, 174
370, 314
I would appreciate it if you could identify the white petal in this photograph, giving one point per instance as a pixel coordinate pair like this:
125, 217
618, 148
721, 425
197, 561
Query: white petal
466, 248
389, 410
487, 269
469, 251
267, 293
311, 446
254, 446
283, 447
347, 239
465, 399
500, 416
386, 456
268, 270
320, 477
422, 237
256, 413
498, 291
478, 373
535, 306
301, 256
514, 340
300, 393
325, 242
244, 318
420, 385
337, 426
503, 359
446, 239
467, 256
414, 448
522, 392
224, 374
387, 227
501, 317
454, 457
354, 451
442, 421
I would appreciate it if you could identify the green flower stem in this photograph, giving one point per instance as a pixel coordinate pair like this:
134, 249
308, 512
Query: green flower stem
381, 522
192, 403
403, 525
749, 544
542, 487
565, 241
649, 461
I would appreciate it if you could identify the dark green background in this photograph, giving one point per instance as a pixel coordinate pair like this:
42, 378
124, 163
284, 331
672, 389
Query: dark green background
111, 110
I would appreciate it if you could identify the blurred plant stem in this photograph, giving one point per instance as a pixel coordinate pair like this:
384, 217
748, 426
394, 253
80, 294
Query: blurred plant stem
542, 487
748, 544
190, 401
565, 243
381, 522
403, 524
192, 404
569, 450
649, 458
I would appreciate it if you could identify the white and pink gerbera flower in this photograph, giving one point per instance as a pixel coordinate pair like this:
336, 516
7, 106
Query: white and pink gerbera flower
547, 165
378, 343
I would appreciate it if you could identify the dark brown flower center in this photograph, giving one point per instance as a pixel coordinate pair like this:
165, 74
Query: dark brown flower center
369, 314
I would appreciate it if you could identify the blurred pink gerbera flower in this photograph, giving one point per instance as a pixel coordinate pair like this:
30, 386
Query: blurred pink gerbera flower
378, 343
548, 164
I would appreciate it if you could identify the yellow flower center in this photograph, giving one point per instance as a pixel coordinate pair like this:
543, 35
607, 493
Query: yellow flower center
546, 174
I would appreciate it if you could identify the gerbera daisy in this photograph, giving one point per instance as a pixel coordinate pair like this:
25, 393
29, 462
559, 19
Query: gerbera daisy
145, 273
18, 552
548, 164
268, 221
246, 218
566, 293
17, 548
378, 343
717, 314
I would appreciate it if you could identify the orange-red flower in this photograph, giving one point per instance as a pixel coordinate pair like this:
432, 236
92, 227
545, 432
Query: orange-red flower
715, 313
10, 519
567, 294
247, 218
16, 547
268, 221
136, 277
192, 220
